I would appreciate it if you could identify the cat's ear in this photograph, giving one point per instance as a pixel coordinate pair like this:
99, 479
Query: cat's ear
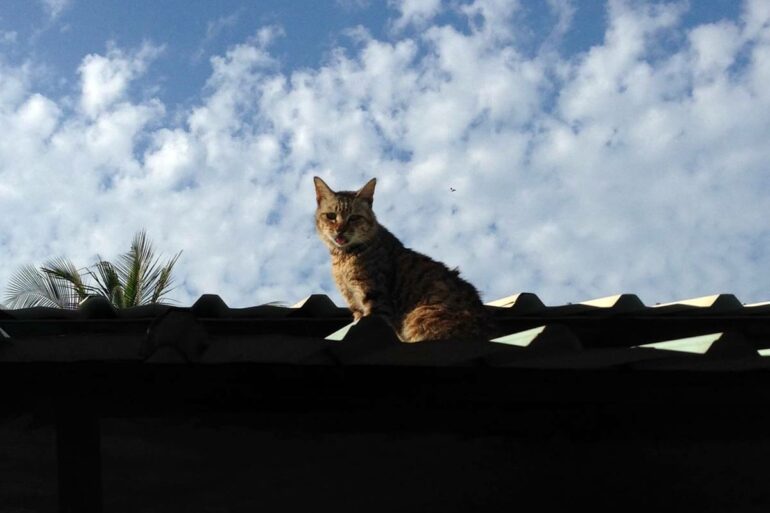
321, 190
366, 192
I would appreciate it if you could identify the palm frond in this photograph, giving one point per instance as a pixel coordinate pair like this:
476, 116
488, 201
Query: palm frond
163, 284
63, 269
108, 282
136, 278
139, 272
29, 287
137, 268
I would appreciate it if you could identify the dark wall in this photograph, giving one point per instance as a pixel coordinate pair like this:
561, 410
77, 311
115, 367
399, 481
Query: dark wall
645, 459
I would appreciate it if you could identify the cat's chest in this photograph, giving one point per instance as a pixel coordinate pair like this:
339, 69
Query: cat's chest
355, 276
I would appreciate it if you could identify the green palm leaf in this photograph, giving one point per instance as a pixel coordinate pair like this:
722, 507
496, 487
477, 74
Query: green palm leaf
138, 267
57, 285
64, 270
136, 278
164, 281
144, 279
108, 282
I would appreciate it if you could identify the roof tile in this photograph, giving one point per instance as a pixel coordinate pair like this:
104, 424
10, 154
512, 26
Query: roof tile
711, 333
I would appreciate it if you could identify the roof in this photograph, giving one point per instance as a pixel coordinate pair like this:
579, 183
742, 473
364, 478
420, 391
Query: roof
709, 333
613, 371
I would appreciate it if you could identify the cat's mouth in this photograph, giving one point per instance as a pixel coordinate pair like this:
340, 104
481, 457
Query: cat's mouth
341, 240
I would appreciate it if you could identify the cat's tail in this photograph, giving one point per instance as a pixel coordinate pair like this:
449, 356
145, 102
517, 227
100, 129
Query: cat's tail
436, 322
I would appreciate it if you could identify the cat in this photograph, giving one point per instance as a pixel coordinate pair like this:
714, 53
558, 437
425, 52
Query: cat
421, 298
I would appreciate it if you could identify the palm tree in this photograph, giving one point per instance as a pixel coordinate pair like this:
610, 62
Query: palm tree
137, 278
57, 284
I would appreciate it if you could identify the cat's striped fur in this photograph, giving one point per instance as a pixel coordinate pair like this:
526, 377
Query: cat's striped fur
376, 274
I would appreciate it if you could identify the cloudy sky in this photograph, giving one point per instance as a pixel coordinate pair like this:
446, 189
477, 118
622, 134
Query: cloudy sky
574, 149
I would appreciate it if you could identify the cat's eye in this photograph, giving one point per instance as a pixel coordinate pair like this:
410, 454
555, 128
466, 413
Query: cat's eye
354, 218
331, 216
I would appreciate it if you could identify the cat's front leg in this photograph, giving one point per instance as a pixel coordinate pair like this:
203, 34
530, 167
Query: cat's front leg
376, 303
352, 299
379, 305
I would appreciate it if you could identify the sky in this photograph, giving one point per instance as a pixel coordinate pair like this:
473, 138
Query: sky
571, 149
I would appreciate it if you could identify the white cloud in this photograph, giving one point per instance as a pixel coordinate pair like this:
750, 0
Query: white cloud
639, 166
492, 18
564, 10
54, 8
352, 5
414, 12
37, 117
756, 16
8, 37
105, 78
215, 28
715, 46
14, 85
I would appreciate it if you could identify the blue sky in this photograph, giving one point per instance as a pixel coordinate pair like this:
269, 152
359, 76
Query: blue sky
59, 33
571, 149
190, 32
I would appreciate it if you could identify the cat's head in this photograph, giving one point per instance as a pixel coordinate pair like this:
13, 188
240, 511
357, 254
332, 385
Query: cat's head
345, 219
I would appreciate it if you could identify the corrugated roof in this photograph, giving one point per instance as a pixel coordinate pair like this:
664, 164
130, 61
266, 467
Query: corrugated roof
714, 332
619, 369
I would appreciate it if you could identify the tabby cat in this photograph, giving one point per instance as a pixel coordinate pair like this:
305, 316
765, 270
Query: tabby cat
420, 297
